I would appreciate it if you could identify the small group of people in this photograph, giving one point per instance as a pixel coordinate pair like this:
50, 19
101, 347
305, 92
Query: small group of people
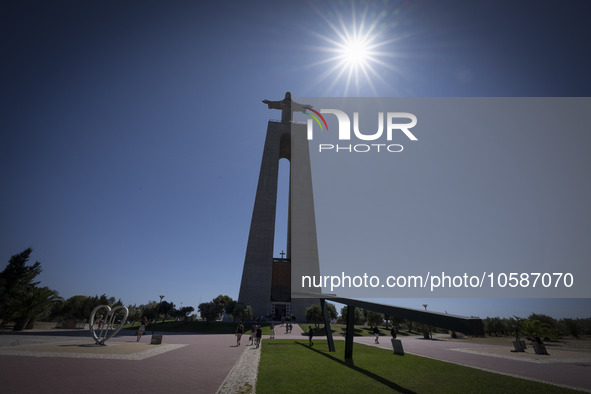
376, 333
256, 334
287, 319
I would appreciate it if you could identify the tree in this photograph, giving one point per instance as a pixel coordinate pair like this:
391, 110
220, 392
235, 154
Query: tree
184, 311
104, 300
395, 321
135, 313
21, 300
240, 311
314, 314
150, 310
208, 311
359, 318
495, 325
387, 319
571, 327
549, 323
535, 328
230, 307
15, 281
213, 310
80, 307
409, 325
374, 318
220, 302
331, 309
165, 308
34, 301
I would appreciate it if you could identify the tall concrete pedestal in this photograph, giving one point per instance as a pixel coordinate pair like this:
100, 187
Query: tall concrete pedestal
266, 280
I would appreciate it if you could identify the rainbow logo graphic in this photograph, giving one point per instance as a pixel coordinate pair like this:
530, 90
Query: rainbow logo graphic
316, 119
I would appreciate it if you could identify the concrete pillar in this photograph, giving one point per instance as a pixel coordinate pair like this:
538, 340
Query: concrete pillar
283, 140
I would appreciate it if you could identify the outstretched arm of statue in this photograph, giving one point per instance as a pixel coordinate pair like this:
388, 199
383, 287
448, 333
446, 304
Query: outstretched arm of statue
274, 104
300, 107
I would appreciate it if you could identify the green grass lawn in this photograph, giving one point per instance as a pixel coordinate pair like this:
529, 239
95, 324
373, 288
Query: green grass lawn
291, 366
361, 331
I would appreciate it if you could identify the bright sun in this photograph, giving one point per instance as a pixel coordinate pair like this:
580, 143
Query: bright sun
359, 50
356, 56
355, 53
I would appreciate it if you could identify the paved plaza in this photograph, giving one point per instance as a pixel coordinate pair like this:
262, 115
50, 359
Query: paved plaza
67, 361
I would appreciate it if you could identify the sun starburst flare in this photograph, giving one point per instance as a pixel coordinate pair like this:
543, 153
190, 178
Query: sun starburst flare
357, 49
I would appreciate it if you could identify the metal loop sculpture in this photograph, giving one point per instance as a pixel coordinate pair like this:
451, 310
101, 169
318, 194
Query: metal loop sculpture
107, 323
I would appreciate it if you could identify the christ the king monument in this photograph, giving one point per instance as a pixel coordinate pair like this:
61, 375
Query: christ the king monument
266, 280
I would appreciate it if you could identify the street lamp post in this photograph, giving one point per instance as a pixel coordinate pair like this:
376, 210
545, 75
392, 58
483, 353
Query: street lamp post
159, 307
430, 335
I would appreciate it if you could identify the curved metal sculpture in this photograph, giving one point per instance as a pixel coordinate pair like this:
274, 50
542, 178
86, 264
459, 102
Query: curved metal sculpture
107, 323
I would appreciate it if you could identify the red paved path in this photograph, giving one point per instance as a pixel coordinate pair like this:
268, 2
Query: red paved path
199, 367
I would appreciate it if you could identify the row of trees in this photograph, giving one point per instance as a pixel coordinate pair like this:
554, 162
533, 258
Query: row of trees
213, 310
362, 316
535, 324
154, 311
22, 300
80, 307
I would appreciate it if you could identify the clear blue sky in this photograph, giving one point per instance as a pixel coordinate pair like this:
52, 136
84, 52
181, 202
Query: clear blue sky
131, 132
